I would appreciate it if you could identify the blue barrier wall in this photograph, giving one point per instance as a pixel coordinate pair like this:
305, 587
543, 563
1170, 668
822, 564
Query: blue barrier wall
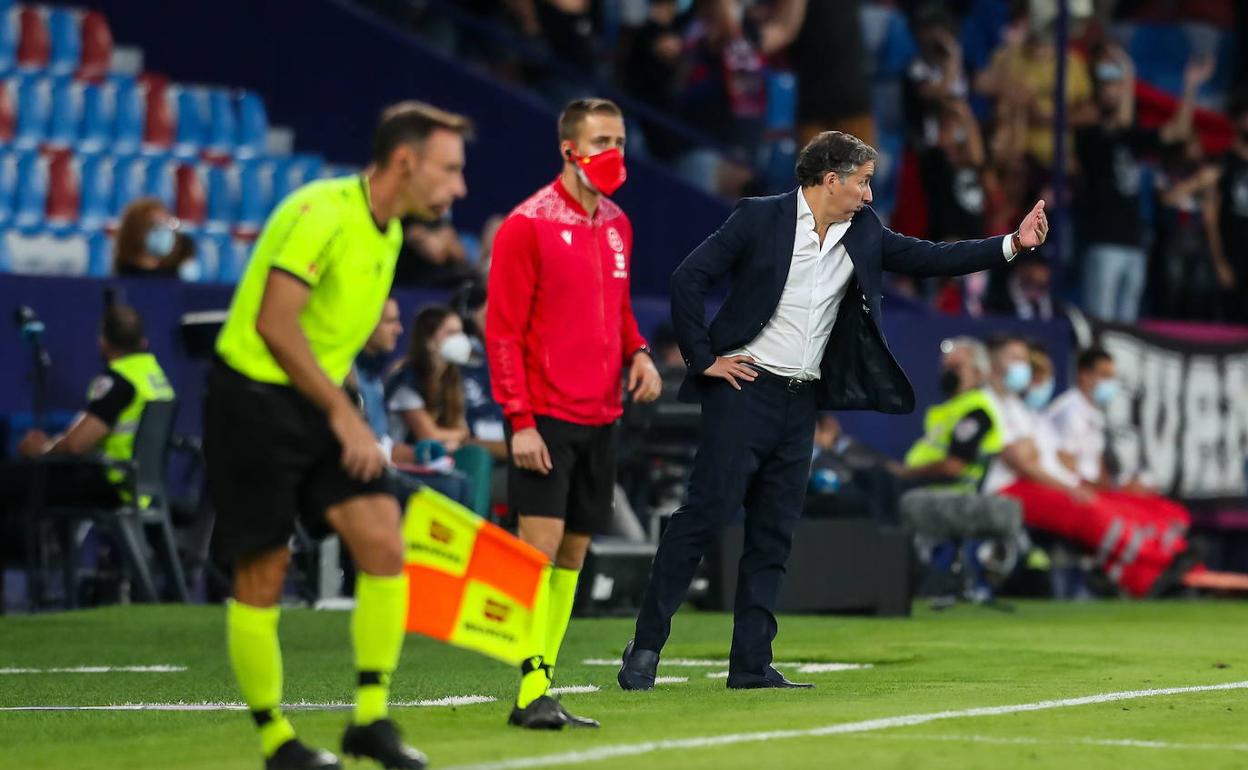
326, 68
71, 308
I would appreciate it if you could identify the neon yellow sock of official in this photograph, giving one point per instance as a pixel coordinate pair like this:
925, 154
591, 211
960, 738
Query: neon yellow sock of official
534, 681
378, 626
562, 595
256, 657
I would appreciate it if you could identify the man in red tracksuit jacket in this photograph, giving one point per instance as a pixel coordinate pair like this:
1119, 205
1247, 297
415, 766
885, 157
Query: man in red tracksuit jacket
559, 331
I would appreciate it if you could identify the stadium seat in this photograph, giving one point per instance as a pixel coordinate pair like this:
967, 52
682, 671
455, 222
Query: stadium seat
1160, 53
291, 173
129, 179
96, 191
255, 195
209, 250
158, 128
233, 253
65, 116
222, 125
34, 105
99, 102
192, 119
34, 46
161, 181
8, 186
8, 113
97, 47
781, 101
222, 197
65, 34
129, 114
191, 200
63, 191
31, 196
9, 27
253, 126
41, 252
99, 255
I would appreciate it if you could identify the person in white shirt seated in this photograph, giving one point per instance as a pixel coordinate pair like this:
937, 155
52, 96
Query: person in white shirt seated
1077, 418
1054, 499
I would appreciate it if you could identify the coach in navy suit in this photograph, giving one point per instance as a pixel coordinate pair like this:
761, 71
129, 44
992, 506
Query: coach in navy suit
799, 332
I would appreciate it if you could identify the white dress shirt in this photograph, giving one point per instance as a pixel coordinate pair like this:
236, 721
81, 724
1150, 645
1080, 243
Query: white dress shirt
793, 341
1019, 423
1080, 428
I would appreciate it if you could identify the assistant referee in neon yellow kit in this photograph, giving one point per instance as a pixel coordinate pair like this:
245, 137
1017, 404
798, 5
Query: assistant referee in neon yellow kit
283, 440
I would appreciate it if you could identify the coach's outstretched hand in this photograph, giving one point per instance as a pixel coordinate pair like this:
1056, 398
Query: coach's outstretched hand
1035, 227
361, 456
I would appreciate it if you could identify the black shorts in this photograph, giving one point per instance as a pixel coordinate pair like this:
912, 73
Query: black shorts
581, 487
272, 459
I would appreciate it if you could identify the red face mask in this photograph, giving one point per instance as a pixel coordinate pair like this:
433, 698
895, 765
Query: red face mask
605, 171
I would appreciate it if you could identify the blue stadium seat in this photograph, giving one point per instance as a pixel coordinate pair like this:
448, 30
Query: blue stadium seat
253, 126
96, 192
192, 122
8, 186
1160, 53
129, 180
66, 112
8, 38
255, 194
34, 105
781, 101
31, 196
98, 110
293, 172
161, 181
129, 113
65, 31
99, 254
209, 250
222, 123
222, 197
232, 258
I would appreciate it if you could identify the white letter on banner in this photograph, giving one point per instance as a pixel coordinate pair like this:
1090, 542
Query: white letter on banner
1235, 380
1202, 430
1160, 414
1119, 416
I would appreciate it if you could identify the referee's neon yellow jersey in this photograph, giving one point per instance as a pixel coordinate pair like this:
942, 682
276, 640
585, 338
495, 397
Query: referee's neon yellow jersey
324, 235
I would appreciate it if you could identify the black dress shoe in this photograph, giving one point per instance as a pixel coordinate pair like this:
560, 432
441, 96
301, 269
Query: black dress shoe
294, 755
773, 679
574, 720
545, 713
639, 668
382, 742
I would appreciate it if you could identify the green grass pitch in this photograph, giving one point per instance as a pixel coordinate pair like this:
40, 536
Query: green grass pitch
962, 659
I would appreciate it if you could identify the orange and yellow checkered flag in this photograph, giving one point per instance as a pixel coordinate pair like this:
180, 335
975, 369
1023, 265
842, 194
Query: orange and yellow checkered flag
473, 584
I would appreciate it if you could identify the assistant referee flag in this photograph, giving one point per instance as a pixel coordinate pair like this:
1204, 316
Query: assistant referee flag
472, 584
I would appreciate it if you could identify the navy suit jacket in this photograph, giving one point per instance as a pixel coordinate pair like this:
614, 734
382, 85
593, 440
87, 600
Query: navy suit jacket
754, 249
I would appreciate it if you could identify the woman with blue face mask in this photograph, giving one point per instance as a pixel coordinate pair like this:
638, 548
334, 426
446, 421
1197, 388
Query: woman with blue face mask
149, 242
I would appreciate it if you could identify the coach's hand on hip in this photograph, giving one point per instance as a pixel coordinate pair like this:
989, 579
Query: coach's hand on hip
361, 456
1034, 229
732, 369
644, 382
529, 451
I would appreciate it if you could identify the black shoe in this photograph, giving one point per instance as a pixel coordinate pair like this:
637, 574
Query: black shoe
381, 741
545, 713
773, 679
293, 755
574, 720
639, 668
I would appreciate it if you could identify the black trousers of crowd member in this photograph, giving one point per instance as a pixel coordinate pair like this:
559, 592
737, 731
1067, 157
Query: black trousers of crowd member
755, 451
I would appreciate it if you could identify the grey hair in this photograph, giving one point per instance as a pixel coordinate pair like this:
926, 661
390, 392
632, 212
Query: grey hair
832, 151
979, 353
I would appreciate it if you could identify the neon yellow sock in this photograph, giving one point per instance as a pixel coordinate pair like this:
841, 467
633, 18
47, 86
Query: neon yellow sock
562, 595
256, 656
534, 681
377, 630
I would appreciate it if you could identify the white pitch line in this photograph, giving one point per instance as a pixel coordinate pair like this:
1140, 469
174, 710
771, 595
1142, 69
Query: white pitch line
576, 689
711, 741
671, 679
1111, 742
159, 669
717, 675
453, 700
828, 668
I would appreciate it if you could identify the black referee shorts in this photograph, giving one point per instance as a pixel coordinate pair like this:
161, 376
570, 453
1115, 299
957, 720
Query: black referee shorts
581, 487
272, 459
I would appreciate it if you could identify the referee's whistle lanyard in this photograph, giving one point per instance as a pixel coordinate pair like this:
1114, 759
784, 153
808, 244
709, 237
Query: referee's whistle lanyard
604, 172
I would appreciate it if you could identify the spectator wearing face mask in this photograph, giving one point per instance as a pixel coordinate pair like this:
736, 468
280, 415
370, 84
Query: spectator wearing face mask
1078, 421
149, 241
425, 399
